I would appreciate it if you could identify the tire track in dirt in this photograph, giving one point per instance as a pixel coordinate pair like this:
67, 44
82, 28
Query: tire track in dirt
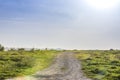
65, 67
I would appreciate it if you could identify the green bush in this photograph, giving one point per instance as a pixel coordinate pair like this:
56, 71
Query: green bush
1, 48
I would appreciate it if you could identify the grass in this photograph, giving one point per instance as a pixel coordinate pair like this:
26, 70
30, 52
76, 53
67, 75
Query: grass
100, 64
21, 62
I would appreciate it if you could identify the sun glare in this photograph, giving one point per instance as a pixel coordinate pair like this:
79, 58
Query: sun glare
103, 4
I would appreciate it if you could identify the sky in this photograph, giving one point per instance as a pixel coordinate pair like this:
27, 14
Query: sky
67, 24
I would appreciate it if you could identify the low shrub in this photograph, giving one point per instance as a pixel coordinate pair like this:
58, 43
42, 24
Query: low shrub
100, 64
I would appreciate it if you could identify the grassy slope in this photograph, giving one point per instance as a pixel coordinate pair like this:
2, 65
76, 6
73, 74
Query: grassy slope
100, 65
20, 63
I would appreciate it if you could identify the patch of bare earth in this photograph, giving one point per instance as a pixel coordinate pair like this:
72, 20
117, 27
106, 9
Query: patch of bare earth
65, 67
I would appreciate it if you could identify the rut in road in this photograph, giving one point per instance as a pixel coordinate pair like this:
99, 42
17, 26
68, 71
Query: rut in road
65, 67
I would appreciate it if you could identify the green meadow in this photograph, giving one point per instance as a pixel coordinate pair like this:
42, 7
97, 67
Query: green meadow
100, 64
96, 64
23, 62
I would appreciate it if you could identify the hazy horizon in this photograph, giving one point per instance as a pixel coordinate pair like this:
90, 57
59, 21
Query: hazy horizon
66, 24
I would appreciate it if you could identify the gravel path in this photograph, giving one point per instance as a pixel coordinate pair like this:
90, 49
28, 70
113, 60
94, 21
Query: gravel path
65, 67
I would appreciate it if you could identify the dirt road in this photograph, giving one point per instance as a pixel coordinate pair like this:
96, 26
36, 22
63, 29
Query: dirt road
65, 67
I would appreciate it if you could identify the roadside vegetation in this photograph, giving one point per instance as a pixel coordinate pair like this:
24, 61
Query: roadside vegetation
100, 64
22, 62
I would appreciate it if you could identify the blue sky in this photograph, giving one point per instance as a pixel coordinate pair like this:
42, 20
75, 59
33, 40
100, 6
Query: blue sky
69, 24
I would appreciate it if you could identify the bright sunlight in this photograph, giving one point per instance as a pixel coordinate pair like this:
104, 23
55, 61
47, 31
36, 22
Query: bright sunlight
103, 4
